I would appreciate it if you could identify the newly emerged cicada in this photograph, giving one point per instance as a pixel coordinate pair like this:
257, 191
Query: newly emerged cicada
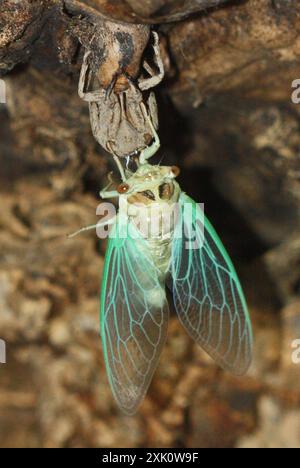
185, 255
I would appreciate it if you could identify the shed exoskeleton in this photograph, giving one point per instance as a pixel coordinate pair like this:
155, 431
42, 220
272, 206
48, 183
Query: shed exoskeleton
117, 85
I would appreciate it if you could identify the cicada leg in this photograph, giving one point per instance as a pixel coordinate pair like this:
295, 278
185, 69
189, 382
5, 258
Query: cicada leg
117, 161
92, 96
148, 152
89, 228
155, 78
109, 194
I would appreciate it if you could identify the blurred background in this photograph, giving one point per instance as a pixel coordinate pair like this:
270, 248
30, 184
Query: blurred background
227, 119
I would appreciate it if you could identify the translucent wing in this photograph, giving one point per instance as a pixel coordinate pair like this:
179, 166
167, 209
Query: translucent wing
134, 317
207, 293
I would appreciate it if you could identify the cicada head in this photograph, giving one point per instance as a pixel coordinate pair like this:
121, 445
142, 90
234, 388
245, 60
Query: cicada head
151, 185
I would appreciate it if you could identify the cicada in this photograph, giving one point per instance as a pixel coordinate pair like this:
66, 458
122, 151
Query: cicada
187, 257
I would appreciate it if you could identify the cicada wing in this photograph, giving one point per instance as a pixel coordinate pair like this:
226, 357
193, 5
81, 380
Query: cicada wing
207, 293
134, 317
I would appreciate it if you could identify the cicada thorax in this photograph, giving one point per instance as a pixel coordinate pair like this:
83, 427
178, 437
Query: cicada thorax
150, 199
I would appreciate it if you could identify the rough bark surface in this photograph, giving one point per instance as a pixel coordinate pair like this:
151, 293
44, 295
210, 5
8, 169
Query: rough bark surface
227, 119
147, 11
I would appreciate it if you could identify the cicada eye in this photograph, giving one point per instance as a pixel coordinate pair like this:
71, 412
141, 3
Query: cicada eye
166, 191
175, 170
123, 188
